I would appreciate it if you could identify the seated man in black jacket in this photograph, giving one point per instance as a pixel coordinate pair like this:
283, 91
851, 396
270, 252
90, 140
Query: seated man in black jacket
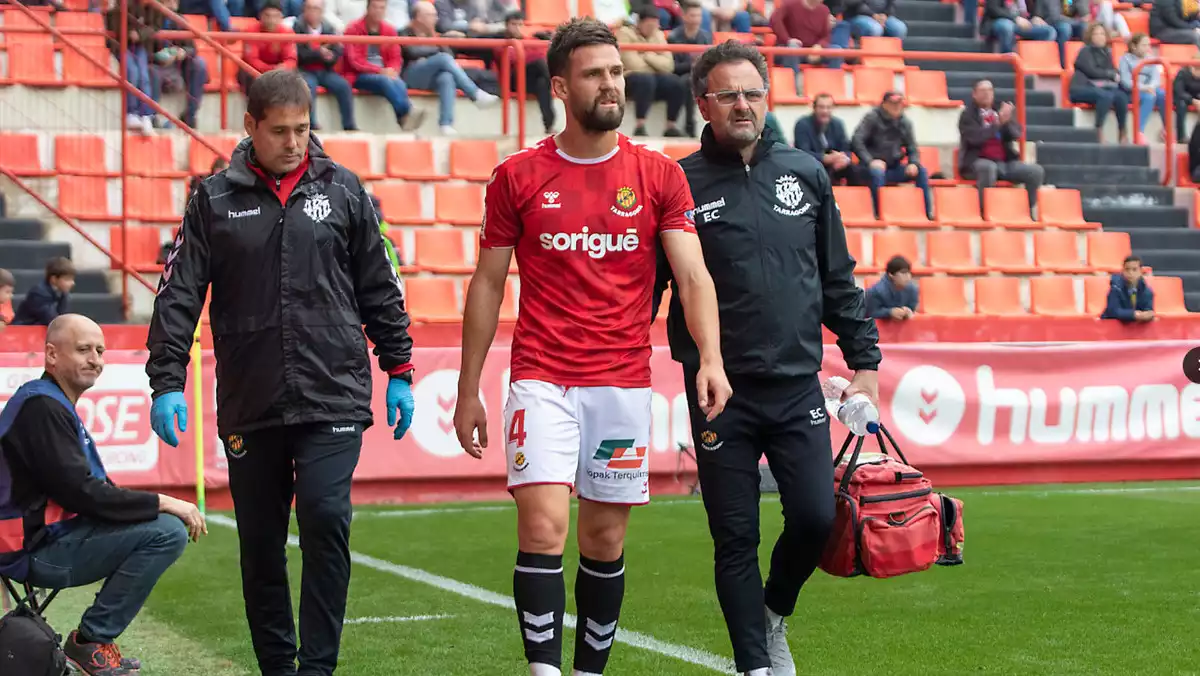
824, 137
78, 527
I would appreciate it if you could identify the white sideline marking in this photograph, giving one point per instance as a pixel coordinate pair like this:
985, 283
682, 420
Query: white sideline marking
410, 618
683, 653
1098, 491
403, 513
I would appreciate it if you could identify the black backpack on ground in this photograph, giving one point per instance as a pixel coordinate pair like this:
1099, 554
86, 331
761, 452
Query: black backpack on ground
29, 646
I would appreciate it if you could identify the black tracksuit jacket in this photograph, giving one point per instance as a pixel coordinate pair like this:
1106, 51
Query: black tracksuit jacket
774, 244
292, 287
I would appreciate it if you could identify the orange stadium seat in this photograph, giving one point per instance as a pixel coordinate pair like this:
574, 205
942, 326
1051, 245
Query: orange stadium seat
1182, 177
151, 156
1062, 208
882, 53
143, 247
928, 88
1004, 251
854, 243
200, 159
944, 297
401, 203
1053, 296
508, 306
950, 252
1073, 49
870, 84
152, 200
441, 250
1008, 208
473, 160
720, 37
432, 299
19, 153
998, 297
854, 203
1058, 251
931, 159
459, 203
1137, 20
830, 81
547, 12
1177, 53
1106, 251
84, 20
783, 87
888, 243
903, 206
959, 207
412, 160
1095, 294
80, 72
1168, 296
354, 154
84, 197
1040, 57
403, 255
678, 151
80, 155
31, 60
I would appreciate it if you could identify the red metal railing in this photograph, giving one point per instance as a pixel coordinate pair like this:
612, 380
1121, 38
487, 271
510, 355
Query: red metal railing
1168, 114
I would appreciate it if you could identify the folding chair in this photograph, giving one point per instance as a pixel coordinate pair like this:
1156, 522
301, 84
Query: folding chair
30, 599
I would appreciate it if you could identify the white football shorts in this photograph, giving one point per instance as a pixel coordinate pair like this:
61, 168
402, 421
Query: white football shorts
594, 439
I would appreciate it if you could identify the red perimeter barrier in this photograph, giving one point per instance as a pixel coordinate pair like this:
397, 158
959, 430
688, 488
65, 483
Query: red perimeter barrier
968, 413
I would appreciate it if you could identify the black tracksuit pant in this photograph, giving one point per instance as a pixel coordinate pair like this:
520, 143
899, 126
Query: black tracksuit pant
784, 418
315, 464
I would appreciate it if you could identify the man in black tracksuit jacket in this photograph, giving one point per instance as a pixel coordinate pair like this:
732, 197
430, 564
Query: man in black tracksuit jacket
773, 241
297, 267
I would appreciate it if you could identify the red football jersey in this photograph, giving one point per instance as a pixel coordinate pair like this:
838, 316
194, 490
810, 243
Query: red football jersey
584, 235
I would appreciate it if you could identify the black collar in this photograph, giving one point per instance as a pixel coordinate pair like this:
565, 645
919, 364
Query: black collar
717, 153
240, 173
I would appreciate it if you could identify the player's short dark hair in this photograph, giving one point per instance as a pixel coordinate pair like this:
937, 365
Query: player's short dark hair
1131, 258
59, 267
823, 95
897, 264
6, 278
729, 51
576, 33
277, 89
685, 5
270, 4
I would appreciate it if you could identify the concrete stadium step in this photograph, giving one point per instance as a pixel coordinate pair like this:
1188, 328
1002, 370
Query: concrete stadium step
1143, 239
102, 308
86, 281
21, 254
1068, 134
939, 29
998, 79
1192, 301
1163, 260
1032, 99
925, 11
21, 228
1099, 174
1123, 195
1149, 217
962, 66
967, 45
1092, 153
1046, 117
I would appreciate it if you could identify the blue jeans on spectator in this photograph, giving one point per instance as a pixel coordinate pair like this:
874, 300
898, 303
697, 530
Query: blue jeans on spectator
1006, 33
194, 72
1104, 99
129, 557
896, 174
217, 9
740, 23
865, 26
441, 74
137, 66
334, 84
971, 14
1147, 102
1064, 30
391, 88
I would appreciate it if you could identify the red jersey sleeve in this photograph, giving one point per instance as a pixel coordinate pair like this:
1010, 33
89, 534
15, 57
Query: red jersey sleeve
676, 210
501, 224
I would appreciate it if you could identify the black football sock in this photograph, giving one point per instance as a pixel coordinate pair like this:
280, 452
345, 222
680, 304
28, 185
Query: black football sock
599, 590
541, 599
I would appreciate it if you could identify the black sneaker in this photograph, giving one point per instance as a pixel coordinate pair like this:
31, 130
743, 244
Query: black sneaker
96, 659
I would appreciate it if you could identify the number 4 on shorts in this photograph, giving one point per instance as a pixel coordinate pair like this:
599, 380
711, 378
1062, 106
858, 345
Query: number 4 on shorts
516, 429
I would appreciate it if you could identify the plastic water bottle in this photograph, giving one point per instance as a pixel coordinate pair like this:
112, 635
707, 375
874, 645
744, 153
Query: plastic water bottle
857, 413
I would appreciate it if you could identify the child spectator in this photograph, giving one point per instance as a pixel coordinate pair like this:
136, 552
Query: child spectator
49, 299
1130, 299
895, 296
7, 286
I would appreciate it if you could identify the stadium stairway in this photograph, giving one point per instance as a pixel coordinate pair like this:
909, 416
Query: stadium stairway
24, 252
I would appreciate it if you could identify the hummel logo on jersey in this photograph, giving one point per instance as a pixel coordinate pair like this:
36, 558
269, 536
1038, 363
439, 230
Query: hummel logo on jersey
550, 202
594, 244
256, 211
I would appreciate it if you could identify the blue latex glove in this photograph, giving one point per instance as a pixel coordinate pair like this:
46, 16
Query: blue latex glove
166, 410
399, 396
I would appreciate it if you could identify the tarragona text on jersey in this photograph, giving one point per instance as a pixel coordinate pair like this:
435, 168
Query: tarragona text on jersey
584, 233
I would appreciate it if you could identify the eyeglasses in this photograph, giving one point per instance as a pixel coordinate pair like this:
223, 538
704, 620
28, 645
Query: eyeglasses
729, 97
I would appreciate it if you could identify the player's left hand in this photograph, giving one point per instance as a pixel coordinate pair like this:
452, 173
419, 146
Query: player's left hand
712, 390
864, 382
399, 396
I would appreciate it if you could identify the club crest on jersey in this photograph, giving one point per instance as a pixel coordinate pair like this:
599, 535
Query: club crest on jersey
317, 207
790, 194
236, 447
627, 203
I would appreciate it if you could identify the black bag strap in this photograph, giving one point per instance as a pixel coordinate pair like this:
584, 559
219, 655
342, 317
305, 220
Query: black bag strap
852, 466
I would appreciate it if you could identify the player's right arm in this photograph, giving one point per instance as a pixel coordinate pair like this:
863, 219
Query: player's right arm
481, 312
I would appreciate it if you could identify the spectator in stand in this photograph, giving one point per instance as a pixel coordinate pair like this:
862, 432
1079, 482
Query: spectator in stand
874, 18
613, 13
725, 15
140, 38
434, 68
1194, 154
1096, 81
265, 56
341, 13
824, 137
1130, 298
176, 67
1186, 94
689, 32
48, 299
988, 150
895, 295
650, 76
804, 23
318, 64
537, 71
376, 68
1006, 20
8, 284
1050, 13
1082, 12
1148, 92
669, 13
1174, 22
885, 143
220, 10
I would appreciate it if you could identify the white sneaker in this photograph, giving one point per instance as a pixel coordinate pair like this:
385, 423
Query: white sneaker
147, 124
486, 100
782, 663
447, 130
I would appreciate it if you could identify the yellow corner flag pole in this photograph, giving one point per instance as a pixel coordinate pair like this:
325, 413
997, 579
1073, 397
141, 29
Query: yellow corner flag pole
198, 417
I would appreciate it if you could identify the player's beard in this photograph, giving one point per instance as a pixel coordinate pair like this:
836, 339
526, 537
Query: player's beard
596, 119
